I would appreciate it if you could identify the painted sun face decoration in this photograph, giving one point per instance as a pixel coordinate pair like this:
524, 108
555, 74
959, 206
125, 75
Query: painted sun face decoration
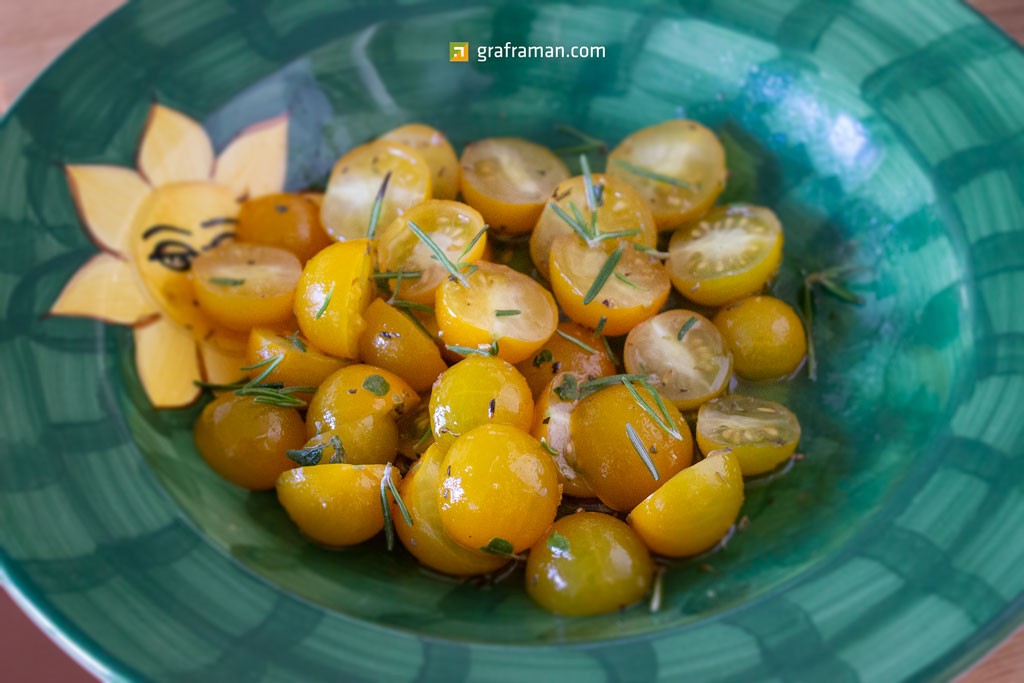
151, 223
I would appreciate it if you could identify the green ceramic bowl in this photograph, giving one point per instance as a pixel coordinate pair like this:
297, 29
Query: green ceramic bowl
884, 134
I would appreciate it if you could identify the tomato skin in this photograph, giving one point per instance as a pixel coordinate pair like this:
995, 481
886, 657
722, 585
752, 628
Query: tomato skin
604, 567
368, 440
566, 356
765, 336
299, 367
498, 483
427, 539
287, 221
392, 341
245, 442
436, 150
333, 292
475, 391
551, 427
605, 455
335, 505
692, 511
761, 434
354, 392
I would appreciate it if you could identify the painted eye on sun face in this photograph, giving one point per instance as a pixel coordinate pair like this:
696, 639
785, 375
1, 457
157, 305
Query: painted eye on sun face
173, 255
216, 241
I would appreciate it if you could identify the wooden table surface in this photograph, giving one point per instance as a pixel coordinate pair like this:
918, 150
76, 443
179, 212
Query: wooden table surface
34, 32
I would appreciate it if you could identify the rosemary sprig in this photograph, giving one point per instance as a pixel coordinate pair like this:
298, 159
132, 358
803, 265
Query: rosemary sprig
592, 385
506, 312
653, 175
641, 450
603, 275
439, 254
662, 255
578, 227
829, 280
325, 304
668, 426
268, 365
388, 485
227, 281
297, 341
411, 305
404, 274
578, 342
472, 243
626, 281
595, 196
589, 143
473, 351
371, 229
599, 330
690, 322
546, 446
417, 323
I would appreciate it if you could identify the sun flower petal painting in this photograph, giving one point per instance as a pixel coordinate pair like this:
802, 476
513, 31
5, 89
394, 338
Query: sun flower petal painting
150, 222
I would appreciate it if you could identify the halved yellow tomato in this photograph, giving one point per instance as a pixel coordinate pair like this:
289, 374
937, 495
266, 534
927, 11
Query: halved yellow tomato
508, 180
393, 341
761, 434
683, 354
728, 254
498, 305
631, 293
356, 180
452, 226
288, 221
551, 428
621, 209
677, 166
572, 348
354, 392
301, 364
436, 151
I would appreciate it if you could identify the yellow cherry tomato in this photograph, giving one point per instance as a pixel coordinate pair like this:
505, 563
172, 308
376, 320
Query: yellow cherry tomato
427, 539
333, 292
765, 336
500, 305
393, 341
620, 208
245, 442
508, 180
335, 504
694, 509
243, 285
573, 348
301, 364
287, 221
633, 292
356, 181
436, 151
728, 254
683, 354
499, 489
452, 226
689, 160
761, 434
355, 391
588, 563
551, 427
476, 391
368, 440
606, 456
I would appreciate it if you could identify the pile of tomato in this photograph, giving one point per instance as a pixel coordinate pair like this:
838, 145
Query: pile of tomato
403, 377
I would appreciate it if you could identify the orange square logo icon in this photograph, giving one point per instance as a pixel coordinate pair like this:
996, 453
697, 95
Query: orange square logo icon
458, 52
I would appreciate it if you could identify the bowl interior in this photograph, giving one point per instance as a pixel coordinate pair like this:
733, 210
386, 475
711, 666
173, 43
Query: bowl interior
800, 138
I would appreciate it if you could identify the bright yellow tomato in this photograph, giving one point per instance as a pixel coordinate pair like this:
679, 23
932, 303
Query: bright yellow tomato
761, 434
551, 427
287, 221
683, 354
765, 336
426, 539
694, 509
354, 392
394, 342
476, 391
621, 208
333, 291
245, 442
436, 151
356, 180
728, 254
565, 352
588, 563
368, 440
508, 180
499, 489
335, 504
301, 364
500, 305
689, 159
635, 290
241, 286
451, 225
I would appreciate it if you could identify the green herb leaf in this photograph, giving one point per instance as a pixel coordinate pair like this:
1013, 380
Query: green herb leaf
326, 303
296, 341
691, 321
546, 446
577, 227
641, 450
543, 357
658, 419
472, 242
568, 337
589, 141
653, 175
592, 385
392, 274
226, 281
307, 456
626, 281
377, 203
499, 546
339, 450
376, 385
652, 251
439, 254
402, 303
268, 365
558, 544
608, 351
505, 312
600, 325
840, 292
569, 389
602, 277
593, 202
601, 237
